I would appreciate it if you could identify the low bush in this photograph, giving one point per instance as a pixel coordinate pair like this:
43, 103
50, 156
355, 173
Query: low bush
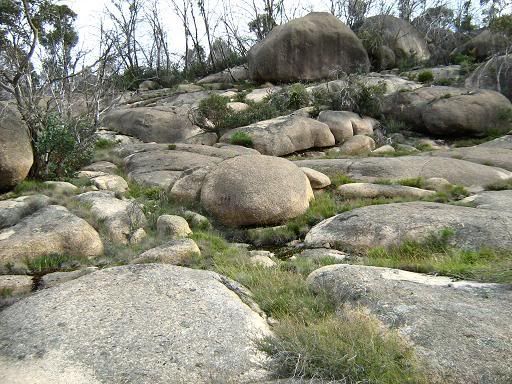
241, 138
425, 76
63, 147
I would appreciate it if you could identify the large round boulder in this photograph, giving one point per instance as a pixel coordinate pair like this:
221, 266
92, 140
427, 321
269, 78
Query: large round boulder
449, 111
392, 40
256, 190
312, 47
483, 45
16, 156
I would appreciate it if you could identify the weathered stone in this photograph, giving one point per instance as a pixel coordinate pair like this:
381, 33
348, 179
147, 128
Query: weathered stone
460, 330
339, 122
110, 183
12, 211
61, 186
496, 157
309, 48
357, 145
15, 285
262, 260
500, 201
285, 135
323, 253
437, 184
400, 41
15, 149
237, 106
258, 95
449, 111
390, 224
188, 187
231, 75
384, 149
205, 138
102, 166
176, 252
138, 323
158, 124
119, 217
317, 179
53, 279
172, 226
252, 190
370, 191
50, 230
138, 236
196, 220
405, 167
149, 85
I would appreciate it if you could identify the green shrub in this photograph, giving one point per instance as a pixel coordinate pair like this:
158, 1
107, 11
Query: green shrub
54, 262
359, 97
241, 138
213, 109
63, 147
104, 144
425, 76
290, 99
444, 82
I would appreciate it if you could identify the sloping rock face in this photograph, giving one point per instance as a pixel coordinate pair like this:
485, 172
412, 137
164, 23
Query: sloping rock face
13, 210
404, 167
284, 135
370, 191
461, 330
390, 224
133, 324
152, 124
256, 190
483, 45
49, 230
494, 74
504, 142
313, 47
162, 165
399, 41
497, 157
449, 111
500, 201
16, 156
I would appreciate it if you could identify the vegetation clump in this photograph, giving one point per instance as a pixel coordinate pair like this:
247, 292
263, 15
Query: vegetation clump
425, 76
241, 138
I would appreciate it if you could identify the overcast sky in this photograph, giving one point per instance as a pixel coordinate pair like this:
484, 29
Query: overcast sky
90, 13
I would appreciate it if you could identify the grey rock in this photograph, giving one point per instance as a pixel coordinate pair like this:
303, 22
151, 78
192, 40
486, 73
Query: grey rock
61, 186
391, 224
310, 48
16, 156
15, 285
448, 111
370, 191
172, 226
404, 167
285, 135
322, 253
500, 201
176, 252
102, 166
460, 330
496, 157
152, 124
50, 230
255, 190
137, 324
13, 210
317, 179
231, 75
119, 217
53, 279
357, 145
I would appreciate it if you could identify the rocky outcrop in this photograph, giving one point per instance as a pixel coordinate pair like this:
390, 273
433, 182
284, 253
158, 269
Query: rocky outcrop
397, 41
308, 48
405, 167
460, 329
16, 156
494, 74
13, 210
256, 190
231, 75
449, 111
51, 230
496, 157
356, 145
391, 224
152, 124
345, 124
284, 135
133, 324
120, 218
176, 252
371, 191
